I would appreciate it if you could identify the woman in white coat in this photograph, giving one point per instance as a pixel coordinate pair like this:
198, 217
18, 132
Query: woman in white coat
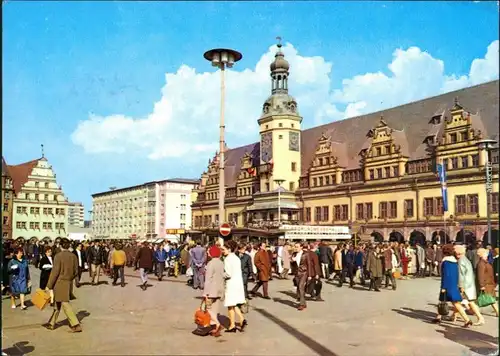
235, 292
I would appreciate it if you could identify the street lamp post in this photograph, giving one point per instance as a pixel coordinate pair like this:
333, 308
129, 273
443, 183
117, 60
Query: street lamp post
487, 145
222, 58
279, 182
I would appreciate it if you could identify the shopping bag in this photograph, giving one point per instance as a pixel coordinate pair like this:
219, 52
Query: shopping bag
201, 316
485, 299
41, 299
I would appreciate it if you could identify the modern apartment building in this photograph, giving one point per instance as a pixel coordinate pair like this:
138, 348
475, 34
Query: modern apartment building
76, 214
7, 201
40, 208
143, 211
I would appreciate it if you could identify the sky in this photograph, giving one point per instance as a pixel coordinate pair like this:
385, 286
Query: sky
119, 92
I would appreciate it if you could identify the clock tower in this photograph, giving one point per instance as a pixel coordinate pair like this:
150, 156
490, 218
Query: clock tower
279, 127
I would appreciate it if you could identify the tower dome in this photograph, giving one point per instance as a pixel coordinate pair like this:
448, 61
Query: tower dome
280, 64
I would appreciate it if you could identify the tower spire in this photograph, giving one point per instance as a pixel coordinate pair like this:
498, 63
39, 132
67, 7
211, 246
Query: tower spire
43, 153
279, 71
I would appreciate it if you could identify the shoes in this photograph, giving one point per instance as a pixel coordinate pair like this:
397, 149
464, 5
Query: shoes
467, 324
301, 307
266, 297
243, 325
123, 285
232, 330
75, 329
48, 326
319, 299
216, 332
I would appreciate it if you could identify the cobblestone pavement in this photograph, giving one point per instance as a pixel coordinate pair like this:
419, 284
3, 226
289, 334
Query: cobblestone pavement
129, 321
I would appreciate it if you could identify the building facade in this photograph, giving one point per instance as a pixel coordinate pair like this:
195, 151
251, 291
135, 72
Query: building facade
7, 201
76, 214
40, 208
144, 211
375, 173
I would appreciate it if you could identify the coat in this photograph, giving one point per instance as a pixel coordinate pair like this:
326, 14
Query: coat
144, 258
235, 292
19, 276
485, 277
420, 257
263, 265
325, 254
185, 257
374, 264
305, 265
214, 279
96, 256
246, 266
285, 256
45, 270
466, 279
63, 273
337, 260
316, 267
449, 280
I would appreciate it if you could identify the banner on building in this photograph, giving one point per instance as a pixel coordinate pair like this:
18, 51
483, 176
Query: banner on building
444, 190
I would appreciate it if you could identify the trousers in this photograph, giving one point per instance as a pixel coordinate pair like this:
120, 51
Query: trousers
68, 311
144, 275
119, 271
95, 271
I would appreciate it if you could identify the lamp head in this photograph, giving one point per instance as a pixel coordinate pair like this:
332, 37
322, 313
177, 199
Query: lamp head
222, 57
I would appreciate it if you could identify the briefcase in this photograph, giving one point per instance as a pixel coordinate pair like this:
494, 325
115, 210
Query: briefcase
41, 299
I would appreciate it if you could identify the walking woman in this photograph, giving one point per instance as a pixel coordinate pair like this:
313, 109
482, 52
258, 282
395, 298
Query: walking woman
486, 278
449, 285
214, 288
19, 278
235, 293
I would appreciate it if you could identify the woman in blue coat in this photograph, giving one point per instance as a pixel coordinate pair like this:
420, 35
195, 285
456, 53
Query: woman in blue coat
450, 291
19, 278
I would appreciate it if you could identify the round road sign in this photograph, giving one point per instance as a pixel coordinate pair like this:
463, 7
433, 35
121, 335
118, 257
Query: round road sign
225, 229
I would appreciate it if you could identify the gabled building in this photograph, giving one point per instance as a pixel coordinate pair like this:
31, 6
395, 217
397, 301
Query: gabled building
40, 208
7, 201
375, 173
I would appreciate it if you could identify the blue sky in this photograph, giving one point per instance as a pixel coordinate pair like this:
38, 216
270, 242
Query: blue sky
112, 88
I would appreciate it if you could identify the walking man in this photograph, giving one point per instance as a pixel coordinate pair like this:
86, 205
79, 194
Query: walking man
60, 282
144, 262
80, 256
118, 262
96, 259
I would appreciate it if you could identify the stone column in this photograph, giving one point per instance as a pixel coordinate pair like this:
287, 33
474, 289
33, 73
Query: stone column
428, 233
386, 235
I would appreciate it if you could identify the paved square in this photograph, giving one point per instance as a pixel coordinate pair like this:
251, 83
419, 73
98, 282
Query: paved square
128, 321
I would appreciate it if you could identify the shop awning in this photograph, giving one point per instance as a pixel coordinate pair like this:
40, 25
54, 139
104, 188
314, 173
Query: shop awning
272, 206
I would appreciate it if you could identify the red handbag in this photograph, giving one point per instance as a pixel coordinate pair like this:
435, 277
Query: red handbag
201, 316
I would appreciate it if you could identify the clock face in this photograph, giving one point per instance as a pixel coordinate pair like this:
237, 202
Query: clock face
266, 147
294, 141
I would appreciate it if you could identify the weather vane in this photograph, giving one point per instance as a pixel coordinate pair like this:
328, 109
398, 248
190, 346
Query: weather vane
279, 41
43, 154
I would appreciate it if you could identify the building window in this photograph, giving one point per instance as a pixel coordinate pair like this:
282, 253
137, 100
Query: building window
383, 210
453, 138
36, 184
294, 166
280, 124
345, 212
494, 203
280, 137
475, 160
393, 211
372, 174
464, 136
387, 172
5, 220
326, 213
47, 185
314, 182
369, 211
379, 151
318, 216
320, 181
439, 207
408, 208
460, 205
327, 180
6, 207
360, 212
379, 173
465, 161
268, 188
429, 206
473, 206
308, 214
291, 186
395, 169
337, 210
454, 162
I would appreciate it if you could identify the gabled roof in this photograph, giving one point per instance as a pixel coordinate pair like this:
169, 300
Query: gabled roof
5, 168
20, 172
410, 123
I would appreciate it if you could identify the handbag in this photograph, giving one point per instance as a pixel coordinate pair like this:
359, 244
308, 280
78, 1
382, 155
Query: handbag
485, 299
201, 316
443, 307
41, 299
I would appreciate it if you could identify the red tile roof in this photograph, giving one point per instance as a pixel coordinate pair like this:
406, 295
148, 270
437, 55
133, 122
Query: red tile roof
410, 123
20, 172
5, 168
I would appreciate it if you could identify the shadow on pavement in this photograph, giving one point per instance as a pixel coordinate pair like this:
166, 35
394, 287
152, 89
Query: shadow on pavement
476, 342
82, 314
19, 348
422, 315
286, 302
306, 340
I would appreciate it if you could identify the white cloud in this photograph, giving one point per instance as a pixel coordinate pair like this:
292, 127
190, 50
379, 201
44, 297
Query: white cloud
185, 120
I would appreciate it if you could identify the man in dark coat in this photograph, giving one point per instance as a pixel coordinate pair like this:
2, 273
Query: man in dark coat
263, 264
60, 282
246, 267
315, 286
144, 262
325, 258
96, 259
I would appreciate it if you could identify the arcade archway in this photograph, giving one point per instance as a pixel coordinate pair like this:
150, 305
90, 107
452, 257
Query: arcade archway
494, 238
396, 236
377, 236
465, 237
417, 237
440, 237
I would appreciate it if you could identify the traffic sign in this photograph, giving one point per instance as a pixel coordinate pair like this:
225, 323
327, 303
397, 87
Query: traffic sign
225, 229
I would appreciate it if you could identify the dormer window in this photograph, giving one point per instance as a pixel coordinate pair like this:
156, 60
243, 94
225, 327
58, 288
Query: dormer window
453, 138
327, 161
320, 161
436, 120
36, 184
379, 151
388, 149
464, 136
